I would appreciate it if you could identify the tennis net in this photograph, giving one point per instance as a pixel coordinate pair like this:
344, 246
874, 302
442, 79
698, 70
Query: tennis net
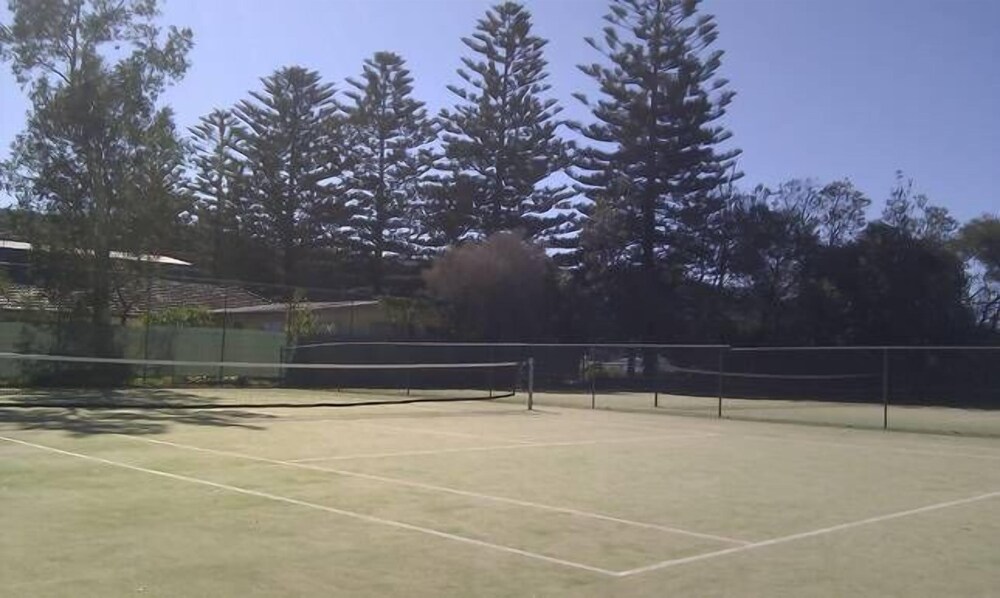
33, 380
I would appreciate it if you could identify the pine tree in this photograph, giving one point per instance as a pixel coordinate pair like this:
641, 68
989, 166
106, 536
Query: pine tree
389, 138
655, 167
217, 183
501, 145
659, 158
294, 154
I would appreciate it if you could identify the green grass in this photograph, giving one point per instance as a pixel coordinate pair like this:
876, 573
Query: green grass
486, 499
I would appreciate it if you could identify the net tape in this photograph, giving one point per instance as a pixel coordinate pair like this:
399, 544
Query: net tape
255, 364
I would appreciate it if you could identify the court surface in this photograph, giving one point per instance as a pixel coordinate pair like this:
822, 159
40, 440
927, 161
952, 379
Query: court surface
487, 499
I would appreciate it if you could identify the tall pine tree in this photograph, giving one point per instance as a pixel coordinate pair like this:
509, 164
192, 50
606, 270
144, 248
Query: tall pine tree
389, 139
294, 157
217, 185
655, 161
501, 146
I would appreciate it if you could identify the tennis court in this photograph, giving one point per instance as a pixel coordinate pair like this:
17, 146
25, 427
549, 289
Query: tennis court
485, 498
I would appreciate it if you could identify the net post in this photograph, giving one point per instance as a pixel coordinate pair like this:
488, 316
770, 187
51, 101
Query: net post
531, 383
656, 398
885, 388
722, 374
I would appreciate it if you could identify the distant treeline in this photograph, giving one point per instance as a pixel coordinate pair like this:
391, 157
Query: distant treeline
509, 221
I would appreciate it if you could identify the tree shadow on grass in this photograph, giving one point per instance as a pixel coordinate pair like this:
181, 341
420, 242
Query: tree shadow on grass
91, 412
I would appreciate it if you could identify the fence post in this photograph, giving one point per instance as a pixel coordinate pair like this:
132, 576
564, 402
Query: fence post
281, 360
489, 371
350, 321
593, 378
885, 388
531, 383
722, 374
225, 318
145, 333
656, 398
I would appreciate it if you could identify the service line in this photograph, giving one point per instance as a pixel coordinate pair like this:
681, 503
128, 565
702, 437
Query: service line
501, 447
446, 489
315, 506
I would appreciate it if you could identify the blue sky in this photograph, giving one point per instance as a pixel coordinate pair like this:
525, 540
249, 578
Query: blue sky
826, 88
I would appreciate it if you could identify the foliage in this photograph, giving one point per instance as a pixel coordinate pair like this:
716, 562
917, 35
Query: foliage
495, 290
293, 152
980, 239
300, 321
412, 315
887, 288
979, 242
656, 158
180, 317
912, 213
501, 145
297, 185
771, 246
99, 160
217, 184
655, 164
389, 135
834, 212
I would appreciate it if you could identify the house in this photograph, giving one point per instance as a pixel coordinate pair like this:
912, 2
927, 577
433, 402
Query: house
22, 299
345, 319
175, 287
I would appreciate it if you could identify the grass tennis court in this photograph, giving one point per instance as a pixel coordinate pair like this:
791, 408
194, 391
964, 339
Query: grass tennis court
907, 418
487, 499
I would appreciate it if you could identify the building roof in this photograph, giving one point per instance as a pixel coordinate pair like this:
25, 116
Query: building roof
22, 297
118, 255
272, 308
133, 301
166, 294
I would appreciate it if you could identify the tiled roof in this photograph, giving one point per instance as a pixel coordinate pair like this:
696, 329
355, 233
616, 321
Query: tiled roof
118, 255
161, 295
166, 294
307, 305
19, 297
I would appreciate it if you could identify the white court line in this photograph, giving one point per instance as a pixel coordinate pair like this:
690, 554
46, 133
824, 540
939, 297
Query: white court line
318, 507
445, 489
500, 447
408, 453
668, 424
810, 534
723, 426
868, 446
433, 432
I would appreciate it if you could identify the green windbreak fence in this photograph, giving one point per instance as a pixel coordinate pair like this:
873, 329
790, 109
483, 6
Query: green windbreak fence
173, 343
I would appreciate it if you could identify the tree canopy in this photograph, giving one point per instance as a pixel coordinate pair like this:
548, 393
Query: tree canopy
628, 225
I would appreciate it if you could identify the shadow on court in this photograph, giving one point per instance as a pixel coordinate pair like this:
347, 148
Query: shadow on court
111, 398
89, 412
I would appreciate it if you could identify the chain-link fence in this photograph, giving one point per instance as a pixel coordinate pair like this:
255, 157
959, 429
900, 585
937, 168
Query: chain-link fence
921, 389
